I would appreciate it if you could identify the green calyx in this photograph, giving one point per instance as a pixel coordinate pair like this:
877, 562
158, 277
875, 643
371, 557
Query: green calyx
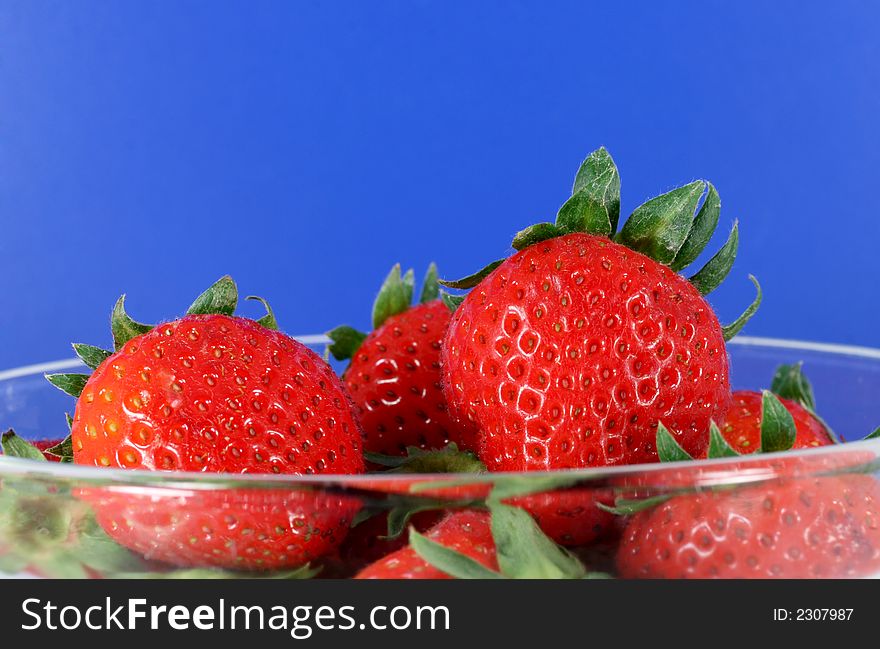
448, 459
522, 549
790, 382
14, 446
778, 430
394, 298
221, 298
668, 228
778, 433
731, 330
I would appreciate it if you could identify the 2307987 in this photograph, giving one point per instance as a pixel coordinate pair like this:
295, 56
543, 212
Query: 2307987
813, 614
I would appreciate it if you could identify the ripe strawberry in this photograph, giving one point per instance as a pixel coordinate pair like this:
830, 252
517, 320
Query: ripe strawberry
467, 532
394, 374
805, 528
569, 353
741, 426
212, 392
239, 529
570, 517
503, 542
215, 393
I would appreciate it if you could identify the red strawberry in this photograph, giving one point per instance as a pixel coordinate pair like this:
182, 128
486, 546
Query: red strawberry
741, 426
804, 528
394, 374
570, 517
467, 532
239, 529
216, 393
211, 392
570, 352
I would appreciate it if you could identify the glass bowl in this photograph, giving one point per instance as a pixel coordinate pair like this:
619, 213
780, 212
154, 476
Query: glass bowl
809, 513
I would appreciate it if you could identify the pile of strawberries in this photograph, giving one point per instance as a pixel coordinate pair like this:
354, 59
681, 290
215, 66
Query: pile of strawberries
585, 348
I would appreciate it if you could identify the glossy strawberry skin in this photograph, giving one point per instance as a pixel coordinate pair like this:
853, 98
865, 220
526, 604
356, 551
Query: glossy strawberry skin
741, 426
467, 532
395, 381
235, 529
569, 353
570, 517
220, 394
805, 528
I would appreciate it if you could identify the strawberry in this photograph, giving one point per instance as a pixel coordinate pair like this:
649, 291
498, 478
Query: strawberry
394, 373
569, 353
503, 542
741, 426
211, 392
804, 528
570, 517
466, 532
240, 529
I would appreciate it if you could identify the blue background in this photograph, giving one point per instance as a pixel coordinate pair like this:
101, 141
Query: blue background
303, 147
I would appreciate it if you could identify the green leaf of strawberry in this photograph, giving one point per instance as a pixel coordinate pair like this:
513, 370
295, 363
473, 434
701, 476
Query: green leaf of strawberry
449, 561
594, 206
736, 326
220, 298
268, 321
874, 435
778, 431
627, 507
451, 301
790, 382
701, 231
524, 551
510, 486
90, 355
71, 384
430, 285
346, 341
716, 270
472, 280
394, 297
123, 327
535, 234
718, 446
399, 517
63, 450
446, 460
668, 449
14, 446
659, 227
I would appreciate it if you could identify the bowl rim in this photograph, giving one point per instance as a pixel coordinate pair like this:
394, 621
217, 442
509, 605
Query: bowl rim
193, 481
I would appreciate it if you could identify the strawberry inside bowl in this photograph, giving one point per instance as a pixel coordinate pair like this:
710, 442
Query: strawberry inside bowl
803, 513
